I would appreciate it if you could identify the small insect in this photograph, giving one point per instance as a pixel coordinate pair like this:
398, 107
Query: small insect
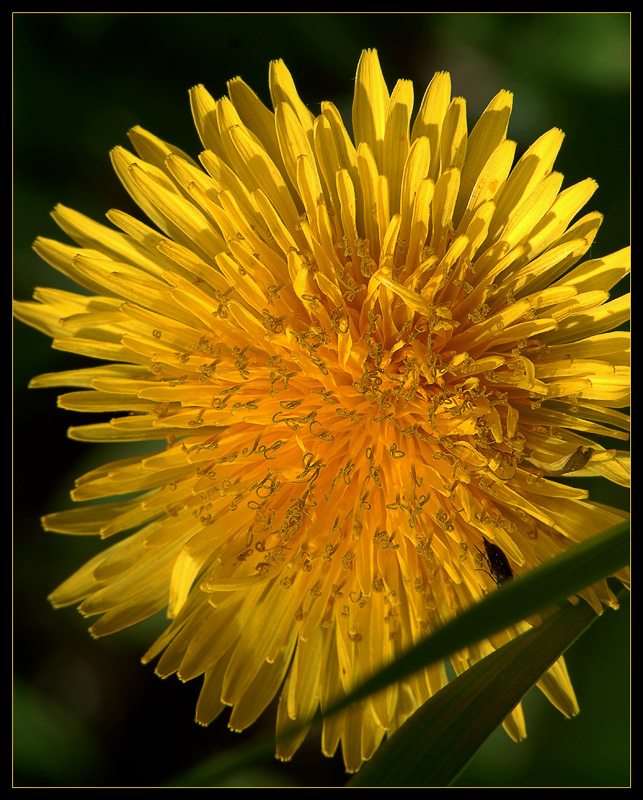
499, 567
571, 462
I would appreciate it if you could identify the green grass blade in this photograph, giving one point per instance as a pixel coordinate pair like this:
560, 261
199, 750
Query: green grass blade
436, 742
215, 771
531, 594
542, 588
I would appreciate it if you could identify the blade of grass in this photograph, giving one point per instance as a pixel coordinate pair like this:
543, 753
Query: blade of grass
551, 583
216, 770
438, 740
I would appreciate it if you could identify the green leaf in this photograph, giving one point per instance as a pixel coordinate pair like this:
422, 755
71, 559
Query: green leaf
50, 746
542, 588
438, 740
538, 590
217, 770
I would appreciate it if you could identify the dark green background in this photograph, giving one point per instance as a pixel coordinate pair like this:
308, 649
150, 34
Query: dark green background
86, 713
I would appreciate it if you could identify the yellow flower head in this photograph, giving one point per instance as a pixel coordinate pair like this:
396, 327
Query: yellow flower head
364, 359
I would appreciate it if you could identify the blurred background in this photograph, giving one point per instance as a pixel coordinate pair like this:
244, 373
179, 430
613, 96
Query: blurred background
87, 713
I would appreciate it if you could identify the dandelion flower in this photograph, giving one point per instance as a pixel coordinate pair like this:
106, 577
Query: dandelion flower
365, 361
